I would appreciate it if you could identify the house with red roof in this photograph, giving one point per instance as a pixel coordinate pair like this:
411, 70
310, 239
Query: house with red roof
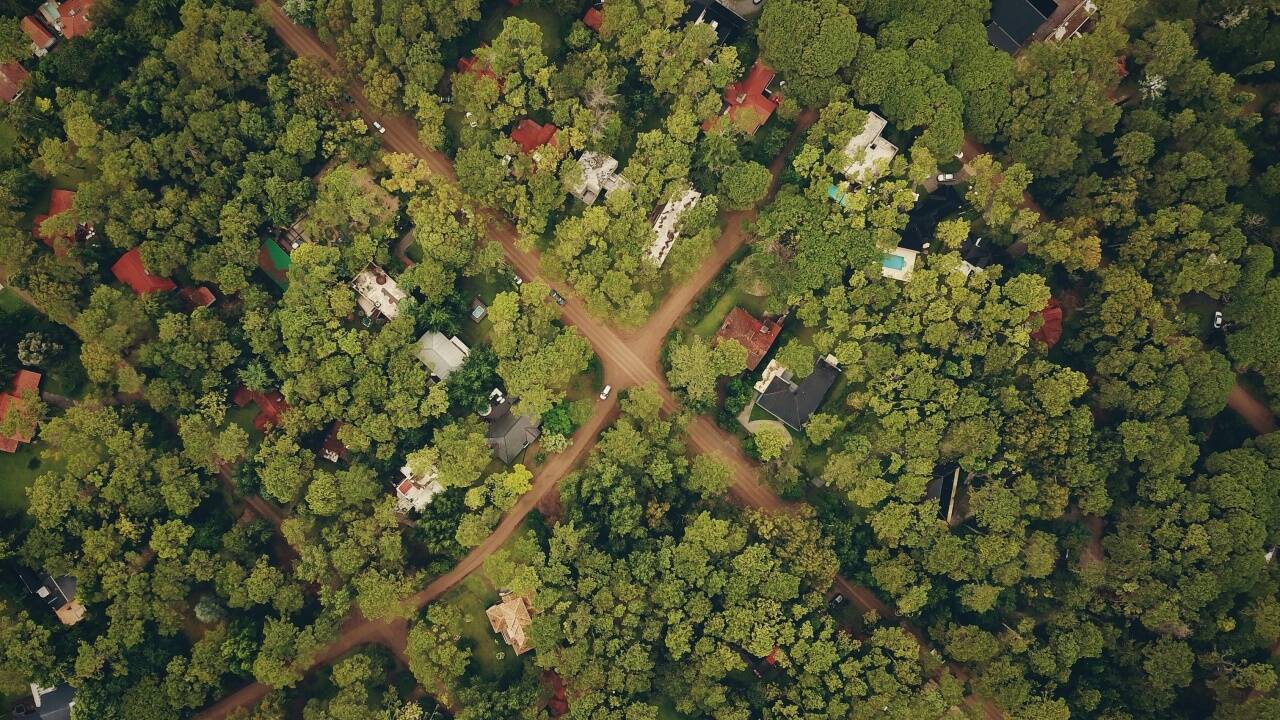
130, 271
1050, 331
749, 103
594, 18
41, 39
70, 18
475, 65
12, 76
196, 297
271, 406
23, 381
757, 336
60, 201
530, 136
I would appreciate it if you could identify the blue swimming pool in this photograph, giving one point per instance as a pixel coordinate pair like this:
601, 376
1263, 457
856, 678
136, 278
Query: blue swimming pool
894, 261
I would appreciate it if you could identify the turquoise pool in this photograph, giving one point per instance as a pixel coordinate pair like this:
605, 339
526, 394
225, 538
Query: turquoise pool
894, 261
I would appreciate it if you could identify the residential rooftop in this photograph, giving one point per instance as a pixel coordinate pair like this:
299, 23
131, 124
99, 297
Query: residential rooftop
869, 154
377, 293
664, 227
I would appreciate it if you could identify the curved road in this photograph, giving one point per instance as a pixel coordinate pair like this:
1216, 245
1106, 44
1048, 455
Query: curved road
629, 360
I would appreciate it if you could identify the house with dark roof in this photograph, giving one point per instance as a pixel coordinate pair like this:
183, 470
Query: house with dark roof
130, 271
727, 23
530, 136
59, 594
1013, 22
757, 336
749, 103
793, 403
23, 381
509, 433
52, 703
12, 76
41, 39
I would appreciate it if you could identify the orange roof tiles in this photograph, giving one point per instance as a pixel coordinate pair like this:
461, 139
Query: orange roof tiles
35, 30
594, 19
754, 335
197, 296
130, 271
12, 75
59, 202
745, 102
75, 22
23, 381
530, 136
1051, 331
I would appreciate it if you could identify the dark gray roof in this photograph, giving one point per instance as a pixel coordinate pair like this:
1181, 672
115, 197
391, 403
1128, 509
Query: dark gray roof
1013, 21
56, 591
509, 433
56, 704
793, 403
729, 24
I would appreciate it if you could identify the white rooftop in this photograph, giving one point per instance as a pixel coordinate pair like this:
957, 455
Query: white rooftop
664, 228
377, 293
599, 174
442, 355
869, 154
898, 264
415, 492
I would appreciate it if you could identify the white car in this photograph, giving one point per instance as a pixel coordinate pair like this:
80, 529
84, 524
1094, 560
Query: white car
604, 394
1217, 319
378, 126
946, 177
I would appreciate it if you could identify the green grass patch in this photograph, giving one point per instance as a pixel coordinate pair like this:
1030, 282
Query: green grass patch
667, 709
491, 657
17, 472
243, 416
554, 26
10, 302
8, 139
710, 322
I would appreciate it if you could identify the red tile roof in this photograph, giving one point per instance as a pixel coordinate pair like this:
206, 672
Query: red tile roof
59, 202
745, 102
12, 75
405, 486
130, 271
1051, 331
474, 64
22, 381
594, 19
74, 20
197, 296
35, 30
270, 406
530, 136
756, 336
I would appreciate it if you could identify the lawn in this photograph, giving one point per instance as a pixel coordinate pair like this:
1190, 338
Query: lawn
492, 658
710, 322
10, 302
554, 26
8, 136
485, 287
17, 472
243, 416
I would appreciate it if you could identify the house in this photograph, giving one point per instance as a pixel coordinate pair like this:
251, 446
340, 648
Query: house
976, 254
23, 381
70, 18
58, 593
757, 336
727, 24
510, 618
594, 18
12, 76
41, 39
790, 402
442, 355
130, 271
332, 448
1050, 330
475, 65
60, 201
899, 263
749, 103
665, 226
868, 152
52, 703
415, 492
271, 406
943, 488
1013, 22
377, 294
509, 432
599, 174
530, 136
478, 310
197, 297
275, 262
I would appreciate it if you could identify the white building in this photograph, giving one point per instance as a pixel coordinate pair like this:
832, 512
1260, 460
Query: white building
869, 154
664, 228
415, 492
599, 174
442, 355
377, 294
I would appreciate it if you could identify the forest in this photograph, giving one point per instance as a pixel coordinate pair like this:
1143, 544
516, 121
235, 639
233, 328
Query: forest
640, 359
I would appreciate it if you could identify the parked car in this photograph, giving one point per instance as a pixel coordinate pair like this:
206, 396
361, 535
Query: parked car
604, 394
516, 279
378, 126
1217, 318
836, 600
557, 297
946, 177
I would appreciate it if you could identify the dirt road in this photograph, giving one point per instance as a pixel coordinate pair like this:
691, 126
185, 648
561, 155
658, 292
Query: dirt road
1254, 412
628, 360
